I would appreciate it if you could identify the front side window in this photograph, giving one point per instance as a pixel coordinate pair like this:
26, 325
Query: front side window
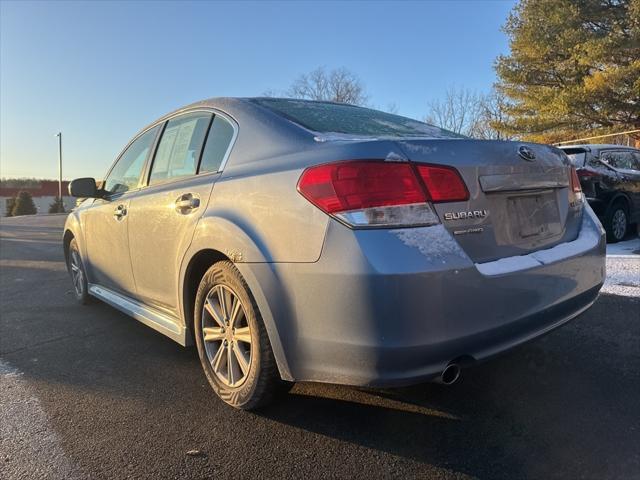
125, 174
179, 149
218, 141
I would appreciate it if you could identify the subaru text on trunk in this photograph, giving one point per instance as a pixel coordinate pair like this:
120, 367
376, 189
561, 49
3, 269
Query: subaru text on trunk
296, 240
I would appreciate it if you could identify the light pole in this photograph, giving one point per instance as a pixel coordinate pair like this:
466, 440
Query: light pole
59, 135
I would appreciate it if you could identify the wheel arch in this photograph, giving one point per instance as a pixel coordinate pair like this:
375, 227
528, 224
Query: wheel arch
66, 241
619, 198
217, 239
73, 230
195, 269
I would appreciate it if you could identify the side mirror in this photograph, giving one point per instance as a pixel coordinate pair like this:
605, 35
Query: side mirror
84, 188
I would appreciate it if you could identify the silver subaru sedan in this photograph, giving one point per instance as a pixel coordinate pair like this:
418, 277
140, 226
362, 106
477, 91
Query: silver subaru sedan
295, 240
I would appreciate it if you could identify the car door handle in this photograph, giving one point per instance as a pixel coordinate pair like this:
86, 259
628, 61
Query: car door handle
120, 212
187, 202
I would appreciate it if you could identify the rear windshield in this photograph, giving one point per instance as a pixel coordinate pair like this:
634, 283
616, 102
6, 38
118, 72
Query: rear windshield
576, 156
326, 117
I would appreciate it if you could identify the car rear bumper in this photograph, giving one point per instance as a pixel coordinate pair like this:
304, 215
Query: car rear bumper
379, 308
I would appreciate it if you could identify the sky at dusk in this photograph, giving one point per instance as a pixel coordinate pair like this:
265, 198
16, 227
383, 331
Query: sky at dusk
100, 71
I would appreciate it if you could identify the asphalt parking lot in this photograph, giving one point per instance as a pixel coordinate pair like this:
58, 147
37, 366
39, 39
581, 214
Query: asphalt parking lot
87, 392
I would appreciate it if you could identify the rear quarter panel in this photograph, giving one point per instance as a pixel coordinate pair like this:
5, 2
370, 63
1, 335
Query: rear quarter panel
262, 218
256, 212
257, 218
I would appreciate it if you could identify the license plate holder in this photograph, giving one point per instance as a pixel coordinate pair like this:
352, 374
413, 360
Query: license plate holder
536, 215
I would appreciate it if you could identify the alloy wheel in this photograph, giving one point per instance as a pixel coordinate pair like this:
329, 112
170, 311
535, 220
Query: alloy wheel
619, 224
227, 335
77, 275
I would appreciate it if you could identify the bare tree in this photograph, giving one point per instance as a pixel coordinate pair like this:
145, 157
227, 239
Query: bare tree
493, 114
470, 113
337, 85
459, 111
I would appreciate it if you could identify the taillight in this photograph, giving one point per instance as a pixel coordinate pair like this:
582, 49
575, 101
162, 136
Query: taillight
378, 193
582, 173
575, 181
443, 183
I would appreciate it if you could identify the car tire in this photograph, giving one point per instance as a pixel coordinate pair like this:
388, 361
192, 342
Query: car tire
76, 269
616, 222
232, 343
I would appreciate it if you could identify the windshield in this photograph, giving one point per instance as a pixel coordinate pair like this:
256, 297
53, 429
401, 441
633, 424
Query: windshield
327, 117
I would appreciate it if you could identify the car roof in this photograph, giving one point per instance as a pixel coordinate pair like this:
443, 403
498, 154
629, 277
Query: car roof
241, 108
231, 104
228, 105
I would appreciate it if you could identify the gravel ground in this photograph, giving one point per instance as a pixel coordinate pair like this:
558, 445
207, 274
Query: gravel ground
86, 392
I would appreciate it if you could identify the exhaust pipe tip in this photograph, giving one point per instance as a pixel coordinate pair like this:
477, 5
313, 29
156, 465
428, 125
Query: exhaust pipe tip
450, 374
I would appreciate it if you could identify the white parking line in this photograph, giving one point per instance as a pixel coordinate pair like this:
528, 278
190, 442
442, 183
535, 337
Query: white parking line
29, 448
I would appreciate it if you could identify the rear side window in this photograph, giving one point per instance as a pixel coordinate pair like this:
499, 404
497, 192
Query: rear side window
218, 142
326, 117
179, 148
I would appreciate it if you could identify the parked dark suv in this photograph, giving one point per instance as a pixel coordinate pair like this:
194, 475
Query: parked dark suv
610, 179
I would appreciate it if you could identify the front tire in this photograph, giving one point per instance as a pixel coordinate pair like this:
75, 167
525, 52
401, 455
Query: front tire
78, 274
617, 223
232, 341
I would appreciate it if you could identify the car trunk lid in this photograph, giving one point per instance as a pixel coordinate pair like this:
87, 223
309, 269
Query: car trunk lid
520, 198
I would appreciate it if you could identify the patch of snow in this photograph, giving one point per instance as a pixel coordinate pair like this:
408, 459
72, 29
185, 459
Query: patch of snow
627, 248
434, 242
337, 137
508, 265
419, 148
322, 137
587, 239
391, 125
396, 157
430, 130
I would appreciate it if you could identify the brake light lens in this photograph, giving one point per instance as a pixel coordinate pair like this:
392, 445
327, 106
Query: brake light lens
582, 173
338, 187
575, 181
378, 193
443, 183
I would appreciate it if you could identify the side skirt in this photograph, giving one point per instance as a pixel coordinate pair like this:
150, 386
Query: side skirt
163, 323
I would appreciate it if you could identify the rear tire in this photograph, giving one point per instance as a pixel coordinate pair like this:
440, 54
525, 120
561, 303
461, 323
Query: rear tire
616, 222
234, 349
